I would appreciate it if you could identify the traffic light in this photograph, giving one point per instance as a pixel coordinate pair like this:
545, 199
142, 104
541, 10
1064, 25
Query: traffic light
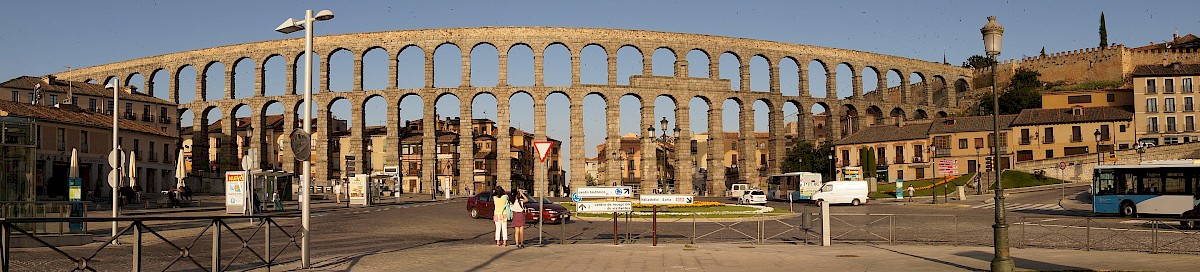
989, 164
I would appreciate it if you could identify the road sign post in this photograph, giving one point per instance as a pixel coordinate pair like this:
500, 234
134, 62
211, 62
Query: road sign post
543, 148
658, 199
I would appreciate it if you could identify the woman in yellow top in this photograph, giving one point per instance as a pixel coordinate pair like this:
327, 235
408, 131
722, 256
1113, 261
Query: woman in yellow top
499, 217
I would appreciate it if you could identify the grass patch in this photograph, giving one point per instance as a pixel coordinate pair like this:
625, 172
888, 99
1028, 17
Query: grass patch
1018, 179
888, 190
1090, 85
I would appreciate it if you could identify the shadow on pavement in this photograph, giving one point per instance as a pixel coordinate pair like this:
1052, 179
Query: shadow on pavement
351, 260
959, 266
1022, 263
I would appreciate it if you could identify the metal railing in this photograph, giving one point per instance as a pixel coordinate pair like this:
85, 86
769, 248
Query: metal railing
225, 241
50, 209
1117, 234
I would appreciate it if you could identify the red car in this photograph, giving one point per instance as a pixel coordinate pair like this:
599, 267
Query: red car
481, 206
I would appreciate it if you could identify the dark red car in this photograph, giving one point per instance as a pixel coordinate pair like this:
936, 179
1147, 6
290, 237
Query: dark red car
482, 206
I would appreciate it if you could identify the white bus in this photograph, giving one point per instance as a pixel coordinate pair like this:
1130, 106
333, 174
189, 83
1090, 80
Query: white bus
1170, 188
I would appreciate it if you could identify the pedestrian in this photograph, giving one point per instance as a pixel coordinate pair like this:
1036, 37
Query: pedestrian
500, 215
278, 202
911, 193
337, 192
173, 196
518, 222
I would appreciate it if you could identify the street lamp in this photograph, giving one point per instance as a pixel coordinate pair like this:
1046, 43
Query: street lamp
1097, 134
115, 178
289, 26
1001, 261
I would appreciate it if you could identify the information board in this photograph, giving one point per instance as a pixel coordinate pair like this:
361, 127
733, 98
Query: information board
666, 199
358, 190
617, 206
235, 192
604, 191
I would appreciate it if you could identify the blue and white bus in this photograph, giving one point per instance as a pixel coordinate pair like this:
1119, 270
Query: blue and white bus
1169, 188
793, 186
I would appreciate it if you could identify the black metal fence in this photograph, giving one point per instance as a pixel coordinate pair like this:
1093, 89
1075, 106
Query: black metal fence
206, 243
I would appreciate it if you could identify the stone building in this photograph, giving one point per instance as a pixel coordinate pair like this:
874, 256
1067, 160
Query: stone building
1049, 133
900, 150
522, 158
1165, 104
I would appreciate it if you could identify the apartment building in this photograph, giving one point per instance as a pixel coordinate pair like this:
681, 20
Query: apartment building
1165, 107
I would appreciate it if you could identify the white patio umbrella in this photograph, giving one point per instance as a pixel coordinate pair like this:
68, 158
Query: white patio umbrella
74, 173
132, 170
180, 171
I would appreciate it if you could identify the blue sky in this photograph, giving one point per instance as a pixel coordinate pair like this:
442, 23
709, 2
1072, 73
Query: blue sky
42, 37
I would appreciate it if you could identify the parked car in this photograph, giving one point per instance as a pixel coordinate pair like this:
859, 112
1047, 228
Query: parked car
482, 206
753, 197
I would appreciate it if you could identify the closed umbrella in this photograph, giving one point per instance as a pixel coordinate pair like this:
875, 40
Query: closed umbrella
132, 170
74, 173
180, 171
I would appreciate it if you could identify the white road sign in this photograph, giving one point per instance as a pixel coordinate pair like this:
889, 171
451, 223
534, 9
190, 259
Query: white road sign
666, 199
543, 149
604, 191
619, 206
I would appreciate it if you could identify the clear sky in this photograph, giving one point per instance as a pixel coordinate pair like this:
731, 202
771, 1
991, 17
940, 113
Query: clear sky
41, 37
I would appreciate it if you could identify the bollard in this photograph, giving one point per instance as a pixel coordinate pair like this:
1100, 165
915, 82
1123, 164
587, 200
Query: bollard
216, 245
267, 240
825, 239
137, 246
615, 232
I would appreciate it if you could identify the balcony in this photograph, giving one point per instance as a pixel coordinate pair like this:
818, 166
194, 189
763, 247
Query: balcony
147, 118
164, 120
898, 160
130, 116
941, 152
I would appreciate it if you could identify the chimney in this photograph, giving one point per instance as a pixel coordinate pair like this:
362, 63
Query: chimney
49, 79
130, 89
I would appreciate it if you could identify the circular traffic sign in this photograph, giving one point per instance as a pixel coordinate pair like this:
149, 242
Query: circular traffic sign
301, 144
112, 178
575, 197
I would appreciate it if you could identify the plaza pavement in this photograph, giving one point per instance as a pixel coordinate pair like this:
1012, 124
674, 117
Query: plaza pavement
734, 257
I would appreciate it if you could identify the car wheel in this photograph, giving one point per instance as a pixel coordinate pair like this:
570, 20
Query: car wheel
819, 202
1128, 209
474, 213
855, 202
1184, 224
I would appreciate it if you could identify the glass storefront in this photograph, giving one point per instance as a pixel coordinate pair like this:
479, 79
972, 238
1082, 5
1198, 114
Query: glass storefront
17, 159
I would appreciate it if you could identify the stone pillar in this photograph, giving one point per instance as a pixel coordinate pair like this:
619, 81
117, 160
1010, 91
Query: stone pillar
951, 95
322, 160
392, 158
577, 138
649, 172
258, 136
928, 93
393, 72
357, 139
147, 83
173, 91
466, 147
227, 155
503, 142
681, 67
833, 126
429, 144
357, 81
539, 76
683, 150
881, 86
856, 80
773, 68
429, 69
904, 91
714, 66
615, 163
260, 78
831, 83
229, 83
748, 161
325, 64
648, 64
201, 85
776, 143
465, 70
716, 151
200, 143
612, 67
502, 69
287, 158
540, 180
744, 75
575, 76
802, 74
290, 76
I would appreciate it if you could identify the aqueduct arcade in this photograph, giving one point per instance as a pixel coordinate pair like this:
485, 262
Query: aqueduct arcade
681, 68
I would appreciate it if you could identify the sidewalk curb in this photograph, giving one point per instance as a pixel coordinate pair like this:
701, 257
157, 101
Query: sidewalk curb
938, 205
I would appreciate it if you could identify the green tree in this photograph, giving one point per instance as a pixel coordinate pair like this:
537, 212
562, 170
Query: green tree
869, 166
1103, 32
977, 62
1025, 93
806, 157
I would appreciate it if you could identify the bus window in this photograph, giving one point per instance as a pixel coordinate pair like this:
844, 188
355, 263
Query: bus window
1151, 184
1105, 184
1175, 184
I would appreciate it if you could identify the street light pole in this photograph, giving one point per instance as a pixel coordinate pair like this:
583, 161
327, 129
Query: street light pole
289, 26
1097, 134
1001, 261
116, 182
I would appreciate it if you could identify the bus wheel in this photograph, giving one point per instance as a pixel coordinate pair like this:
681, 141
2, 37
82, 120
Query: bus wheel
1186, 224
1128, 209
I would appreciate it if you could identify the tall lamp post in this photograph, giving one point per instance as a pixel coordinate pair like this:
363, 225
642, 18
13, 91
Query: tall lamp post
115, 177
662, 177
1001, 261
1097, 134
289, 26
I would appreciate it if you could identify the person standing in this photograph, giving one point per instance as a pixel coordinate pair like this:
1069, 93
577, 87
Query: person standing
500, 215
278, 202
337, 192
518, 222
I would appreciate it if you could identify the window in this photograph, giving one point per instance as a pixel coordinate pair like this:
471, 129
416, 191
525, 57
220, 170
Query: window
941, 144
16, 97
1187, 85
694, 147
53, 99
1024, 137
1150, 86
1104, 135
1169, 104
60, 139
1151, 104
92, 104
1049, 153
917, 153
84, 144
128, 108
962, 143
1189, 123
137, 148
110, 107
153, 155
1169, 85
1076, 134
32, 98
881, 155
75, 100
1048, 136
1152, 124
1175, 184
1171, 123
1111, 98
166, 152
1079, 99
162, 114
845, 157
1075, 150
1122, 127
899, 154
1187, 104
1170, 140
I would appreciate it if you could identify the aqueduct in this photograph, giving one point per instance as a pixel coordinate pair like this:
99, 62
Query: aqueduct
906, 99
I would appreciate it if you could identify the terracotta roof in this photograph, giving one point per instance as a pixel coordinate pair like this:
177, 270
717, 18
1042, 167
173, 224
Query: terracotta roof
1168, 70
1064, 116
1185, 41
969, 124
77, 117
887, 133
84, 88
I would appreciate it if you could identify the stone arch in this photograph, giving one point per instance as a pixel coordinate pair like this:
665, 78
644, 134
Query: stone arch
242, 85
207, 90
556, 65
694, 58
731, 69
818, 79
920, 114
875, 115
410, 67
941, 94
374, 71
275, 84
134, 79
942, 114
846, 79
898, 114
484, 58
789, 77
519, 65
761, 79
182, 95
629, 63
850, 120
870, 81
156, 81
663, 62
593, 64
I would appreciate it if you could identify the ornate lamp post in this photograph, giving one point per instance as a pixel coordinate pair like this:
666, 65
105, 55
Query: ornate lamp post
1097, 134
992, 35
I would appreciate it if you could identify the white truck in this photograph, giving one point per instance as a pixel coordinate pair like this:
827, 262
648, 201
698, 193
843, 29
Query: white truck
737, 190
853, 192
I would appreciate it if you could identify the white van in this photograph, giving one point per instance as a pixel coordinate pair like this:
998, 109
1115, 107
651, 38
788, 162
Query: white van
853, 192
